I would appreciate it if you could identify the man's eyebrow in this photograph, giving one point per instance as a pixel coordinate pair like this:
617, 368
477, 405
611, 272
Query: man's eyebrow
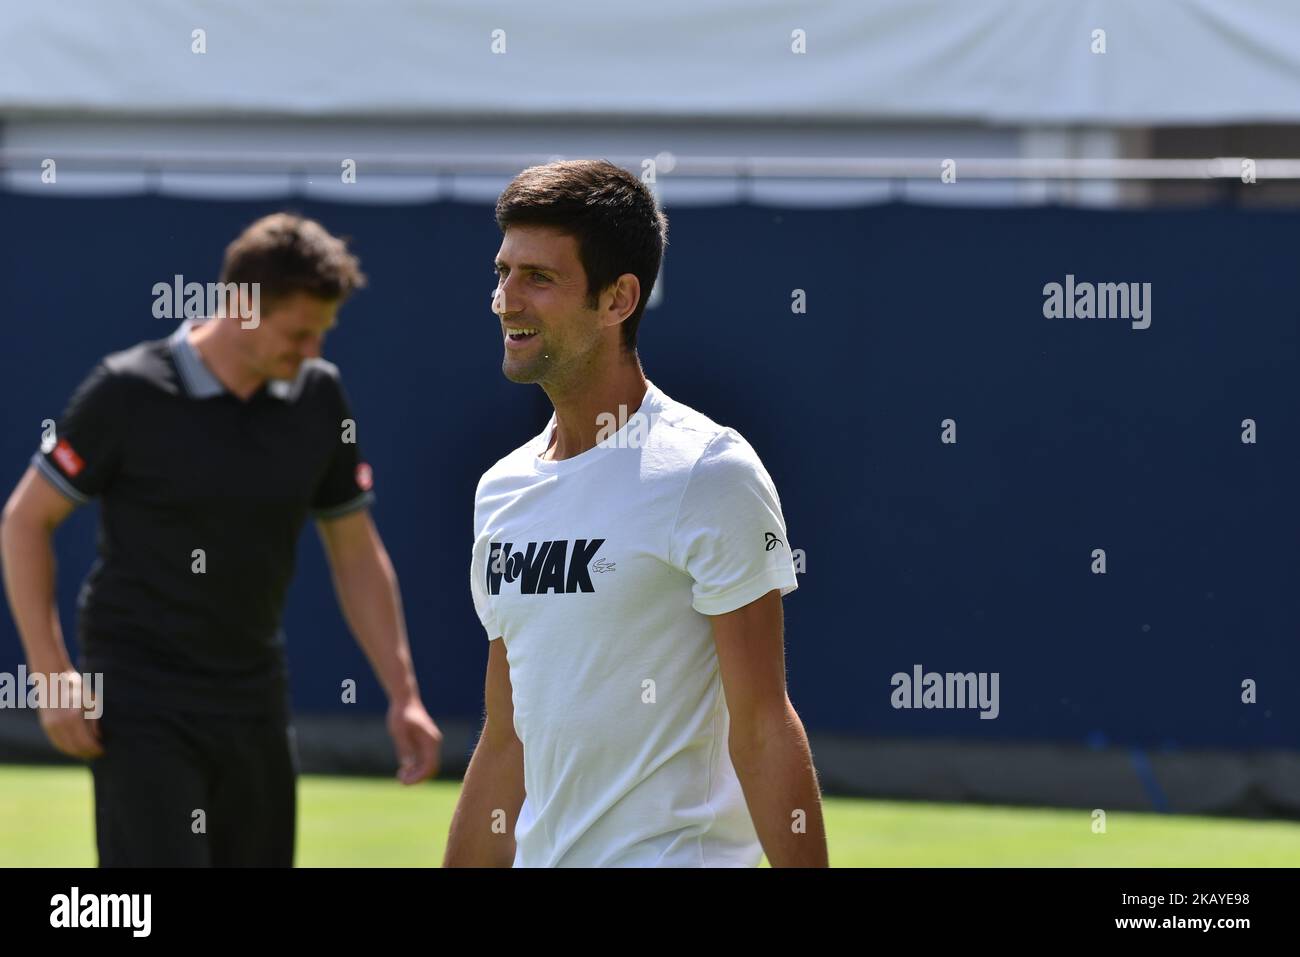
537, 266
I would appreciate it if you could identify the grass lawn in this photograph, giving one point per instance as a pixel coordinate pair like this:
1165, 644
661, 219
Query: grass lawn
45, 820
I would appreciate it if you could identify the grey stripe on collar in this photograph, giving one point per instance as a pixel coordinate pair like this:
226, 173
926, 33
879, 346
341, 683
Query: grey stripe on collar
198, 379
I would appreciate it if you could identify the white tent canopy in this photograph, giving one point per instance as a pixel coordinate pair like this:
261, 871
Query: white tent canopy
1008, 62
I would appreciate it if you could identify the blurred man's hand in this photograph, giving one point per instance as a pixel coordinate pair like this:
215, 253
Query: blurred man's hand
417, 740
69, 729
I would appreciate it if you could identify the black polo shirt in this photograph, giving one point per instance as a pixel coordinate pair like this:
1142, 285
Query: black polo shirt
202, 500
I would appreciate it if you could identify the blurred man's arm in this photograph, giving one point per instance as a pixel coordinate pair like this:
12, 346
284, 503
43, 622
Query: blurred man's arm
33, 512
767, 743
368, 594
483, 826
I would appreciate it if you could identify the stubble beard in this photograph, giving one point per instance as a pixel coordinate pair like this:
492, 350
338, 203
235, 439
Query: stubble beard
527, 372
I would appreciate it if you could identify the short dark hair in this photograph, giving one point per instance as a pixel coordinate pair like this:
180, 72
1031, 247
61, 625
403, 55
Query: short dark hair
287, 253
613, 216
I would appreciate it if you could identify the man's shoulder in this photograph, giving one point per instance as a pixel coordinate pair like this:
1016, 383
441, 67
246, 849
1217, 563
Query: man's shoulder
686, 440
321, 368
318, 376
145, 363
677, 425
672, 439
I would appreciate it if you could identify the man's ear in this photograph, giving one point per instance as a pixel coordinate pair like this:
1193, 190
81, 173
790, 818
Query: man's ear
624, 293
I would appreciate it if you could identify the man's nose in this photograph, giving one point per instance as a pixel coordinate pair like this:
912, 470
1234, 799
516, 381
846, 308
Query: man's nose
501, 304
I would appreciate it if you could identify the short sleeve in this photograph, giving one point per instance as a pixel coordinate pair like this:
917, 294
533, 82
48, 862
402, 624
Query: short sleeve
478, 579
82, 455
348, 480
729, 535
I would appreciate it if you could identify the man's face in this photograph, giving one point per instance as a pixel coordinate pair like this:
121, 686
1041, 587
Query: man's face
542, 287
293, 329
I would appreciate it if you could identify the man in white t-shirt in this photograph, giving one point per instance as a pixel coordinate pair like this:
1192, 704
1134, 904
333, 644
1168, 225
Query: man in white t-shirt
628, 567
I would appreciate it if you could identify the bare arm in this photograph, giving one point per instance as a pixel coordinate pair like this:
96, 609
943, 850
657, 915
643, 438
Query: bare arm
483, 826
368, 594
33, 512
767, 743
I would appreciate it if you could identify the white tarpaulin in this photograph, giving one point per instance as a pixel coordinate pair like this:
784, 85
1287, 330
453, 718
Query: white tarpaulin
996, 61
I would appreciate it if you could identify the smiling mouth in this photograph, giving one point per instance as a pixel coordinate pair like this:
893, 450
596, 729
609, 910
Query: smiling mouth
522, 334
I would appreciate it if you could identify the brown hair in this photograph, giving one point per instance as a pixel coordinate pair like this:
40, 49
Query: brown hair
287, 253
613, 216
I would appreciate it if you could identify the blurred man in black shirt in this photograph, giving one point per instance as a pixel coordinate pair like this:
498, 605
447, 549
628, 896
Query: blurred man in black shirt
208, 450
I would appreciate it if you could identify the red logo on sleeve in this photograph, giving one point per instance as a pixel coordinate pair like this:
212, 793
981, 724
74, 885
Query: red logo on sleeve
68, 459
365, 477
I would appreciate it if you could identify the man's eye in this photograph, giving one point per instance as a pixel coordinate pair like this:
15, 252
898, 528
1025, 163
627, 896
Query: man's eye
542, 276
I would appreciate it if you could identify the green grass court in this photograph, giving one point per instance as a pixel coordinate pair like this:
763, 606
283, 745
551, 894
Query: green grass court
45, 820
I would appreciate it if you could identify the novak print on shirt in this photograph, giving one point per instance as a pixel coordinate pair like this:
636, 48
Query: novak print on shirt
545, 567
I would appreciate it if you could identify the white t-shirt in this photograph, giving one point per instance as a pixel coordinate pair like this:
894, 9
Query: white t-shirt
599, 572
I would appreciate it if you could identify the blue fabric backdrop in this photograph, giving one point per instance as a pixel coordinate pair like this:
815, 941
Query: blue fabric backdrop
1072, 435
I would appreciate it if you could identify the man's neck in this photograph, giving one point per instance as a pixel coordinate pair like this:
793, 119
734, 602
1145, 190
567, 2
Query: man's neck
582, 413
212, 340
